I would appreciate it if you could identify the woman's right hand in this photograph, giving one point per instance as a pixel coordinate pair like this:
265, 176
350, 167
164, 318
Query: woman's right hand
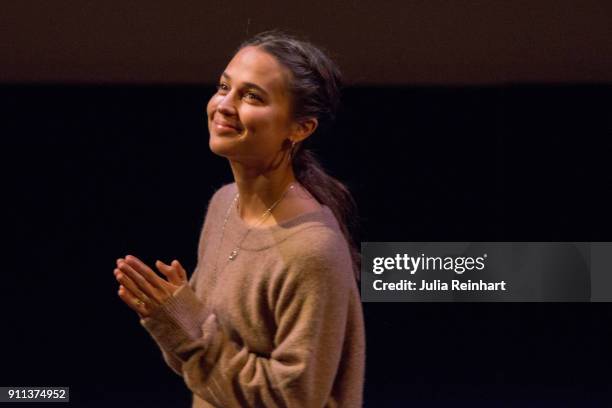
131, 295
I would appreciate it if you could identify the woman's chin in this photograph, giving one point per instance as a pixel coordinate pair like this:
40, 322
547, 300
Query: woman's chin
222, 146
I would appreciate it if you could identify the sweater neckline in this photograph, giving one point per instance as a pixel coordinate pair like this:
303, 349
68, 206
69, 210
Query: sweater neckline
261, 238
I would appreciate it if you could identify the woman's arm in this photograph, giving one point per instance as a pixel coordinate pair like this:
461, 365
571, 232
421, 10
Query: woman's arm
310, 313
171, 360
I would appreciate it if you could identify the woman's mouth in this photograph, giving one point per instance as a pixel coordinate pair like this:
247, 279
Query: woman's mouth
226, 127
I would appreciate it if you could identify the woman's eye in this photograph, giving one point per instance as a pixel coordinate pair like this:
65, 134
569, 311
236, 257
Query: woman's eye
224, 88
252, 95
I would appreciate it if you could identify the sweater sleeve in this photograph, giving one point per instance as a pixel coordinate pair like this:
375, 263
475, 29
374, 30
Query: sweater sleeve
310, 314
171, 360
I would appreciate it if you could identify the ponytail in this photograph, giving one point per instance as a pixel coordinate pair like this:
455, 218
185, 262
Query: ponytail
315, 88
331, 193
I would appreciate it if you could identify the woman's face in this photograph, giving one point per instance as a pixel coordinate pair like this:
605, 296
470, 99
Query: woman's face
249, 116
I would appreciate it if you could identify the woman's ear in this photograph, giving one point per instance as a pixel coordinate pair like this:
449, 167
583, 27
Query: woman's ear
304, 129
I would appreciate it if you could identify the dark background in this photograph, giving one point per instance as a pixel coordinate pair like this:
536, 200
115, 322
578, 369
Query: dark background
97, 167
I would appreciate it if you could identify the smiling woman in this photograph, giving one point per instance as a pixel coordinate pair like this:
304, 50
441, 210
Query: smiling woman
250, 115
271, 316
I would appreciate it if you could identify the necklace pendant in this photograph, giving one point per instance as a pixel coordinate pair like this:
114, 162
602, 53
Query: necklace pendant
233, 255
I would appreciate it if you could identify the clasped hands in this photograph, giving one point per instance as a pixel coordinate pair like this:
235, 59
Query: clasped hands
141, 288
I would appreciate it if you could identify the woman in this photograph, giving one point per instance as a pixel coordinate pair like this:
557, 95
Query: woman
272, 315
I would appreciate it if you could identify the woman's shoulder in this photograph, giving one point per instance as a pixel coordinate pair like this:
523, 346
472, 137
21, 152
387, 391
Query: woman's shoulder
319, 239
224, 193
221, 198
318, 253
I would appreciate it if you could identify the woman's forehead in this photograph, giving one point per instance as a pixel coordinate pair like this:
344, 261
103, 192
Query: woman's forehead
251, 64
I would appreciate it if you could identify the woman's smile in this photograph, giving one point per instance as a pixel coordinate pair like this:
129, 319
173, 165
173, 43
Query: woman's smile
221, 126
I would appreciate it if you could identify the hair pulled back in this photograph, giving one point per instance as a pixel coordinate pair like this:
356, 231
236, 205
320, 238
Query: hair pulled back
314, 86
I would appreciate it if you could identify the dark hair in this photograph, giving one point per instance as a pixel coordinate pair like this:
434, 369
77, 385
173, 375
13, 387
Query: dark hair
314, 85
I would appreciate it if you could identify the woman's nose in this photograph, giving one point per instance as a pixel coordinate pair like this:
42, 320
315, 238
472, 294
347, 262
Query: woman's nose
226, 106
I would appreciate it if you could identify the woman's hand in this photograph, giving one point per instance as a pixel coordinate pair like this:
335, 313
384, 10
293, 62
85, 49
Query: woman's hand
142, 289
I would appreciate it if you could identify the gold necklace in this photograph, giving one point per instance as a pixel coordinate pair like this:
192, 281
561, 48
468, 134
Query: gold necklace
234, 253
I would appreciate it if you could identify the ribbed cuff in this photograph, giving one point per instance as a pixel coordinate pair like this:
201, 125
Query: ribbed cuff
177, 320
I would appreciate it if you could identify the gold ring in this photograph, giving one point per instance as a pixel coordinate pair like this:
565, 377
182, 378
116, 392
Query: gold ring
139, 302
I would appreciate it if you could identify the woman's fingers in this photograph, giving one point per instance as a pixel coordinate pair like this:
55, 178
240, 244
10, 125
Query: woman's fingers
129, 284
141, 288
169, 272
146, 272
133, 302
181, 271
174, 272
143, 284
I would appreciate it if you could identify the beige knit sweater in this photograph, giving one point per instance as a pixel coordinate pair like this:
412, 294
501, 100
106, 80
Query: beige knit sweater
279, 326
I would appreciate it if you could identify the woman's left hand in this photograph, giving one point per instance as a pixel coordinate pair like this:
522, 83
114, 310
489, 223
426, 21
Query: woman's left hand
149, 290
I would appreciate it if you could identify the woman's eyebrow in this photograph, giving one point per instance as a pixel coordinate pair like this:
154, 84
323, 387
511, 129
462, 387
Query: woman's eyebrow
247, 84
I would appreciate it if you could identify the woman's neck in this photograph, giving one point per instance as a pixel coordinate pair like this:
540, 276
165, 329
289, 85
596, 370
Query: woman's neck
259, 189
